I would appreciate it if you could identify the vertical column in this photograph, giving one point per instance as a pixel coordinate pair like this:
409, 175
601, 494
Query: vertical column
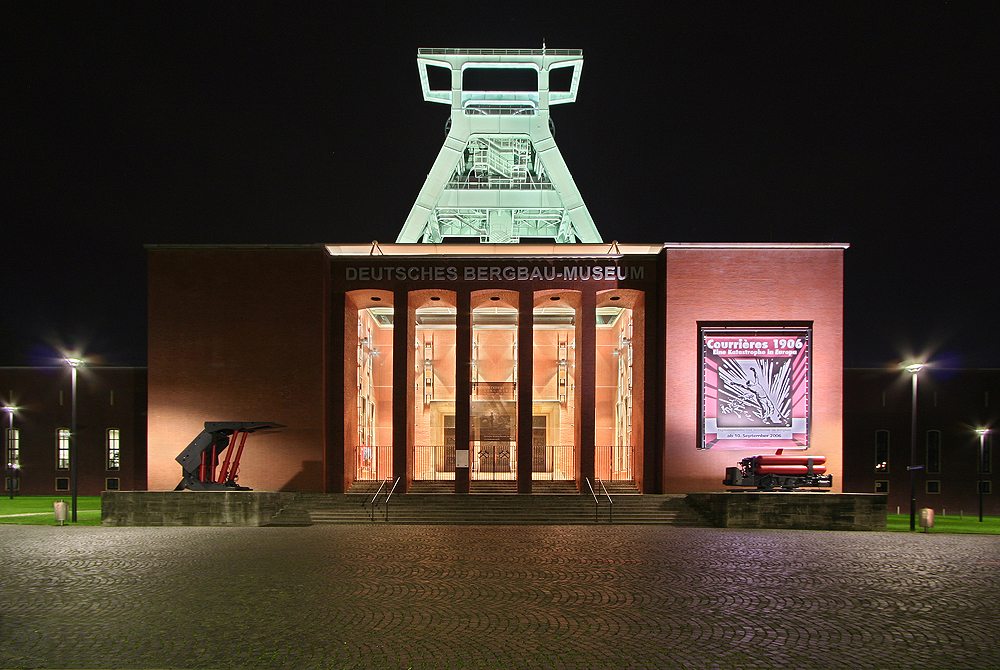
336, 406
401, 382
587, 352
456, 88
525, 346
463, 388
656, 311
543, 87
654, 382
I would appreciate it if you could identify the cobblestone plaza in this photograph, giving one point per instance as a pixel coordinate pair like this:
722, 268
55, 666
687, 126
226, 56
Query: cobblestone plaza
494, 597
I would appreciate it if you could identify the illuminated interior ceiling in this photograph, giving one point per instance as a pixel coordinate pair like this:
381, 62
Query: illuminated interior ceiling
499, 176
543, 317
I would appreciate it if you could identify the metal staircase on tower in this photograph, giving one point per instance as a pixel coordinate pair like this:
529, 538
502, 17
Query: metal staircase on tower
499, 176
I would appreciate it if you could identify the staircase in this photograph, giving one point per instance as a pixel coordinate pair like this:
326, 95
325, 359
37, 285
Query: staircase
494, 487
621, 488
554, 487
497, 509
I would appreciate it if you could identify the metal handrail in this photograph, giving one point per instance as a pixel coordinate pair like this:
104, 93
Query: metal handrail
611, 503
597, 503
374, 498
498, 52
391, 491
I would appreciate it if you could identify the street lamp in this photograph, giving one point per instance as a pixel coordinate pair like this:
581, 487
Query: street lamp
914, 369
979, 468
73, 364
9, 448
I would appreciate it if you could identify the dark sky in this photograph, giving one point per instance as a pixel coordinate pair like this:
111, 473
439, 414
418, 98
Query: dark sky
207, 122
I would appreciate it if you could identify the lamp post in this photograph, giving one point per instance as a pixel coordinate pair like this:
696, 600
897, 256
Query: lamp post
8, 448
73, 364
979, 468
914, 369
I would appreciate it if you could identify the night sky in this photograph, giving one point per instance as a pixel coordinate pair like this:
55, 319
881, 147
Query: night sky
144, 123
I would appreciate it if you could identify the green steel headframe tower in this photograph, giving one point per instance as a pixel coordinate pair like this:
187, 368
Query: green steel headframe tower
499, 176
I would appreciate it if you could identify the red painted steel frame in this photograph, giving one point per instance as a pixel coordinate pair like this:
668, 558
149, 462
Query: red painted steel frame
239, 455
225, 464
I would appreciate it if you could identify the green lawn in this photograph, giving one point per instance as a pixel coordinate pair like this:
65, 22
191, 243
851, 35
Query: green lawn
948, 524
37, 510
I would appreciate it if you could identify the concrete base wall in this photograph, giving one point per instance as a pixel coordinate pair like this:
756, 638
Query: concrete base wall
810, 511
202, 508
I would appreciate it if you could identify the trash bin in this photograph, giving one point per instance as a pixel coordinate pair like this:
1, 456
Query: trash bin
926, 518
61, 509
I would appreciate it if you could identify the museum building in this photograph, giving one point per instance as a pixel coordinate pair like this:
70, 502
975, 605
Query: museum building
500, 343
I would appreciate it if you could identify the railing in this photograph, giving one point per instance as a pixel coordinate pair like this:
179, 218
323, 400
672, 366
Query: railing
495, 185
614, 463
391, 491
434, 462
486, 109
597, 503
611, 503
372, 464
553, 462
498, 52
374, 501
494, 460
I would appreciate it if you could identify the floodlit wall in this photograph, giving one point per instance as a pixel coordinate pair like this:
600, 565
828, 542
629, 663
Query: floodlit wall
750, 285
238, 334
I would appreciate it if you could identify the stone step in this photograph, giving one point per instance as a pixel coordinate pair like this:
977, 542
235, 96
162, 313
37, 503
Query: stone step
500, 509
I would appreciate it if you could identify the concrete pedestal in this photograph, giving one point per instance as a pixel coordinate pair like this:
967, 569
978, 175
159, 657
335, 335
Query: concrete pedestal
795, 509
201, 508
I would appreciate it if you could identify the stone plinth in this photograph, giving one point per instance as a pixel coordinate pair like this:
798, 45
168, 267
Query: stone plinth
794, 509
199, 508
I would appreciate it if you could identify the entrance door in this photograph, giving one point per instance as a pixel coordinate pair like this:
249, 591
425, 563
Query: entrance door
494, 454
541, 455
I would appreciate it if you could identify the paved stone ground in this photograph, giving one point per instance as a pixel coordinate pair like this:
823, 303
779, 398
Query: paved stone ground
495, 597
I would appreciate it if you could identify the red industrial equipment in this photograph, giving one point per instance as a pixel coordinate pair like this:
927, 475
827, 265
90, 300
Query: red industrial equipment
787, 472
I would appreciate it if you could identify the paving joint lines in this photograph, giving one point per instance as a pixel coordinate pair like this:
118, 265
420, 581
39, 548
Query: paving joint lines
499, 596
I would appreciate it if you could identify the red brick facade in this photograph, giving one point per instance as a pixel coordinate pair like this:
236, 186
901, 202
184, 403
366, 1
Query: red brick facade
108, 399
261, 333
239, 334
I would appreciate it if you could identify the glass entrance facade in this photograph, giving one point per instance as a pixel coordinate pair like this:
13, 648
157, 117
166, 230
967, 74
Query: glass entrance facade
553, 387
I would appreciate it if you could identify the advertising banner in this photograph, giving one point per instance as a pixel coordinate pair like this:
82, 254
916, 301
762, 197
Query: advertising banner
755, 388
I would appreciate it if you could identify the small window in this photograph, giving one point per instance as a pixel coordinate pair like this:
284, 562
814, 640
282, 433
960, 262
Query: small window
933, 486
986, 464
112, 484
933, 452
561, 79
62, 483
881, 486
113, 449
499, 79
985, 486
62, 449
438, 78
12, 484
881, 451
13, 448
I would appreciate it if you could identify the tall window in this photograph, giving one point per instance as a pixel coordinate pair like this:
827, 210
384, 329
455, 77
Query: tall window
986, 465
13, 447
62, 449
933, 452
113, 449
881, 451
